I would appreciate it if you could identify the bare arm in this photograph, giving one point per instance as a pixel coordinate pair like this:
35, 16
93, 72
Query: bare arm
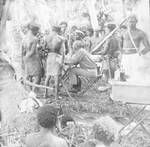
27, 142
23, 53
145, 43
64, 144
75, 59
105, 49
32, 50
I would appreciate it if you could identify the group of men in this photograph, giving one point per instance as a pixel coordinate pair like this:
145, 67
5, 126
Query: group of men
76, 53
56, 44
131, 40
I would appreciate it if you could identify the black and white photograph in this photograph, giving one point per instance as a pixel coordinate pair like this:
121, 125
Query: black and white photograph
74, 73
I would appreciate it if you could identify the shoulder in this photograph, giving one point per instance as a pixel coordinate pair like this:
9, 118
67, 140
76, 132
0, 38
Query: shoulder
82, 51
60, 142
125, 34
34, 41
141, 33
63, 142
49, 37
30, 139
56, 39
112, 38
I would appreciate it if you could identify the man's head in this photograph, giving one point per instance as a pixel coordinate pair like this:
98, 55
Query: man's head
109, 28
132, 21
63, 25
105, 132
34, 28
90, 31
47, 117
79, 35
77, 45
74, 28
56, 29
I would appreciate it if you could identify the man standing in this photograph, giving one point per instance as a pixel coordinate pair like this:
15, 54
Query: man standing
55, 45
132, 40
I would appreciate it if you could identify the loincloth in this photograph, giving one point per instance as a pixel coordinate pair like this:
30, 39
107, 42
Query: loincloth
129, 51
53, 64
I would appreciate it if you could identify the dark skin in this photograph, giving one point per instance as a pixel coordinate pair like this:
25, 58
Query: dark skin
139, 37
33, 46
55, 44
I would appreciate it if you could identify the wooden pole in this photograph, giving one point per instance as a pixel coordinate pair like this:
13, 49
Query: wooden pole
36, 85
149, 8
93, 14
108, 36
3, 21
124, 9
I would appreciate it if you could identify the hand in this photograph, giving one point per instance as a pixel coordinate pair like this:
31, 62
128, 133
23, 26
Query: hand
66, 63
144, 51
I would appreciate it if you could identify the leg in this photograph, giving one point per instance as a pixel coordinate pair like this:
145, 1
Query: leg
106, 75
29, 78
56, 86
37, 80
47, 84
82, 72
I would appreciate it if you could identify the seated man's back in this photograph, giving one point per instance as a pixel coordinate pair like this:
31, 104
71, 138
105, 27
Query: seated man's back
47, 137
45, 140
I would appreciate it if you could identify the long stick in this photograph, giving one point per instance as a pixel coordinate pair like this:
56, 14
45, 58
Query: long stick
109, 35
36, 85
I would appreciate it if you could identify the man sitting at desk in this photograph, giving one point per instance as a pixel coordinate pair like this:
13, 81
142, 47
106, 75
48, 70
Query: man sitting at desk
84, 65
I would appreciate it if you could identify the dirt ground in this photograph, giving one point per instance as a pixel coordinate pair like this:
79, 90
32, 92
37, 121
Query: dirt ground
92, 105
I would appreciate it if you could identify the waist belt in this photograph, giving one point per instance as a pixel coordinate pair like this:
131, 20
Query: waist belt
129, 51
54, 52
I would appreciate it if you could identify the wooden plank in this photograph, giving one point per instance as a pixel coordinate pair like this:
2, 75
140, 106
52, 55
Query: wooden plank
109, 35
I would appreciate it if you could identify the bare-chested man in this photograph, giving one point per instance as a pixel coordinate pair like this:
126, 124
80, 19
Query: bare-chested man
133, 38
54, 45
47, 137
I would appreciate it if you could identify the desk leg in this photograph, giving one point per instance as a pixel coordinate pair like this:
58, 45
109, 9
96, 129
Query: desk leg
142, 125
66, 89
134, 117
139, 123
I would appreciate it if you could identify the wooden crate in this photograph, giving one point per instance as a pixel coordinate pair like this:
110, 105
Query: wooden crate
133, 92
